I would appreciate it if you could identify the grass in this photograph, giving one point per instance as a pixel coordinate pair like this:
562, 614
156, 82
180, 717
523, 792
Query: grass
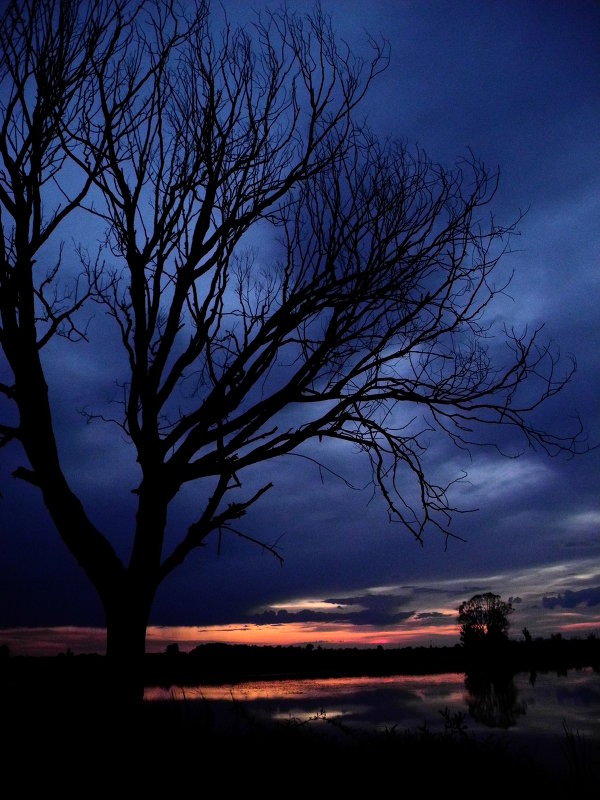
324, 752
582, 765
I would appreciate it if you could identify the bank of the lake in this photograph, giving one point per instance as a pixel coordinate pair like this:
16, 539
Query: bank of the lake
222, 663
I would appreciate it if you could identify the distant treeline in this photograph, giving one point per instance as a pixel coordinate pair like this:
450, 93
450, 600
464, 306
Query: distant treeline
223, 663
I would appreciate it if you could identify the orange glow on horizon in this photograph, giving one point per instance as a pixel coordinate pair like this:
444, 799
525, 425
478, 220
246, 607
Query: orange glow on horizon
302, 633
53, 641
575, 627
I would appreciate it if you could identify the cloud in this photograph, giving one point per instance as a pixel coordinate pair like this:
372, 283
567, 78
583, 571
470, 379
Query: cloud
581, 544
475, 589
368, 608
588, 519
570, 599
364, 616
380, 600
492, 480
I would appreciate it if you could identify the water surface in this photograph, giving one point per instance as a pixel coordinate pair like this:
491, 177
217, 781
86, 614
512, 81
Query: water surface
528, 707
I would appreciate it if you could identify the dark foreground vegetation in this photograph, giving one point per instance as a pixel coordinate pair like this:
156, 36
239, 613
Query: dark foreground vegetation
57, 720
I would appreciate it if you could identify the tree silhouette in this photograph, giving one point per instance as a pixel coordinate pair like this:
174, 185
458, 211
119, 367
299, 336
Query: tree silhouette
484, 620
139, 120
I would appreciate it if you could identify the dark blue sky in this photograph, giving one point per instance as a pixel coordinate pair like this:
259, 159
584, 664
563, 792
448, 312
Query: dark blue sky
518, 83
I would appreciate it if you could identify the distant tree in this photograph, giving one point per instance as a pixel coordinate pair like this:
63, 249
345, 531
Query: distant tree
166, 144
484, 620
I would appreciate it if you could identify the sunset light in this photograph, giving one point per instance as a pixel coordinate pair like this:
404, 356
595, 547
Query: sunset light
299, 380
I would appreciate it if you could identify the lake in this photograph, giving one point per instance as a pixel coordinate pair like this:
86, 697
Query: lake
540, 714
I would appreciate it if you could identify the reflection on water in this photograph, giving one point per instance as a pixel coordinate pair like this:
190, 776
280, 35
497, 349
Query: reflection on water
493, 700
524, 704
311, 689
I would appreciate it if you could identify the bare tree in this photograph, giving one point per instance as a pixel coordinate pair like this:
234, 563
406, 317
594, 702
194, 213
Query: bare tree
370, 298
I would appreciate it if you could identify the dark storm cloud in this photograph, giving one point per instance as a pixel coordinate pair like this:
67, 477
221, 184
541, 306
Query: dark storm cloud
571, 599
365, 616
433, 615
379, 600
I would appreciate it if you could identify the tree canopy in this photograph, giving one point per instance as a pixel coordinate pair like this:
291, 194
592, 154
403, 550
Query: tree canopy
484, 619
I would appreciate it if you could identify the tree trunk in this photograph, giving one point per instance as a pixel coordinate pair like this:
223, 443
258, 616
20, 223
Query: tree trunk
126, 622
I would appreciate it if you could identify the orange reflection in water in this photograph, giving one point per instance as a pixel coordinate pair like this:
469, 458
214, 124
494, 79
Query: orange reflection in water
309, 688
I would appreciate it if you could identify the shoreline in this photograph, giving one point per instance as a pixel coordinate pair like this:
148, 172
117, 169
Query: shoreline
222, 663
